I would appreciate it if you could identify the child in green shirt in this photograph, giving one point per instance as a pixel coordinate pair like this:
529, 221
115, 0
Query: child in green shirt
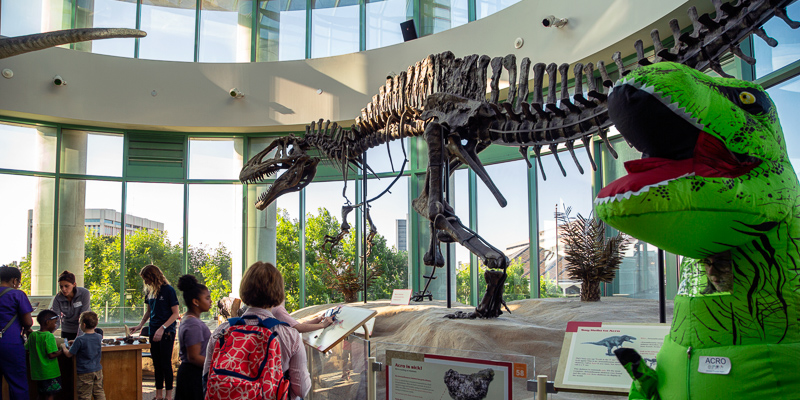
43, 352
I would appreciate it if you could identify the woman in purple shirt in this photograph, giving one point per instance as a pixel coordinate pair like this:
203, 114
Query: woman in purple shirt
15, 316
193, 337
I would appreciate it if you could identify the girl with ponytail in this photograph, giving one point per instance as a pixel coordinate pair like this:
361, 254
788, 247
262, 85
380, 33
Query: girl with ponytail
193, 337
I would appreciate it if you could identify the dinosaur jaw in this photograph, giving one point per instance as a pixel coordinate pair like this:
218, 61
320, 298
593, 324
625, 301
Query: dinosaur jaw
710, 159
297, 176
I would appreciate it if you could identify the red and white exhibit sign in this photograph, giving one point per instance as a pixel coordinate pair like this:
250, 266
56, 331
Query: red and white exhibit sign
414, 376
401, 297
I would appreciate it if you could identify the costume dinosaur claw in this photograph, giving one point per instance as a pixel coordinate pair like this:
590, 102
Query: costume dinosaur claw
645, 380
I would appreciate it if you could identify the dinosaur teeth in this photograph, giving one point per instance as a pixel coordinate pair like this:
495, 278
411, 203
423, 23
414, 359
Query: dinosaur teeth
627, 195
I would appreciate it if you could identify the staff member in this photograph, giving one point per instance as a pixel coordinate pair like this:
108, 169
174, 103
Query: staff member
15, 316
162, 311
70, 302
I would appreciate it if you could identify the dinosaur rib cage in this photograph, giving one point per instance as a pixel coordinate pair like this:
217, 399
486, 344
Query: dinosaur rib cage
397, 110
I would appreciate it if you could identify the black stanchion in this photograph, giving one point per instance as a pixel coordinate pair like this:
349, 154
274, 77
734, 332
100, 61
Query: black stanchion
662, 289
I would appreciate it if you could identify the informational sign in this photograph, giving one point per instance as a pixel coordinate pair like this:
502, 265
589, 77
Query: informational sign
401, 297
414, 376
346, 321
588, 362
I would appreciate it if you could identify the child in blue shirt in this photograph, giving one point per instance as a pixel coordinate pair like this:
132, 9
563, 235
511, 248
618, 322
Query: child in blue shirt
87, 352
44, 352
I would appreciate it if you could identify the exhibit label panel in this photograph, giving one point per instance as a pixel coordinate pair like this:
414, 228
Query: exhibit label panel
415, 376
587, 356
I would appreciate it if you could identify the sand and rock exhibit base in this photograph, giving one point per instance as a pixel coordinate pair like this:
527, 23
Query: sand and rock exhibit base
534, 328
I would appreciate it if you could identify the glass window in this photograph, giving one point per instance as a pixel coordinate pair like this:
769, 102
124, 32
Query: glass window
507, 228
389, 256
440, 15
91, 153
638, 274
788, 50
170, 30
281, 30
28, 147
485, 8
328, 271
459, 199
215, 238
93, 256
555, 194
27, 234
334, 28
215, 158
25, 17
105, 14
383, 21
225, 31
158, 207
786, 97
380, 160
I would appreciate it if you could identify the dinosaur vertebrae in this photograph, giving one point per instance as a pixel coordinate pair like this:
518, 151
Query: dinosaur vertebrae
395, 111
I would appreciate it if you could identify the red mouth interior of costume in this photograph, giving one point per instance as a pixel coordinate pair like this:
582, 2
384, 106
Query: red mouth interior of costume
711, 159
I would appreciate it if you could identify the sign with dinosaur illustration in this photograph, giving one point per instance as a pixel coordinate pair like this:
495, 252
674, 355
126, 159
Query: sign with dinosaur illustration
588, 363
429, 376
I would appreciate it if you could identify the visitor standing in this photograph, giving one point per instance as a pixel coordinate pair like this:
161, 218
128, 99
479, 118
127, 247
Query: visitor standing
70, 302
162, 310
15, 317
262, 290
193, 337
88, 353
43, 353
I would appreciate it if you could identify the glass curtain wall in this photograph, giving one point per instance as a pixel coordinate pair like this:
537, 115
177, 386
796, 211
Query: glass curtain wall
225, 32
104, 14
556, 193
334, 27
383, 21
170, 27
440, 15
505, 227
281, 28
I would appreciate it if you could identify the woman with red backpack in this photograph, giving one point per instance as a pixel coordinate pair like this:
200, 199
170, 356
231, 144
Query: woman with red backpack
256, 356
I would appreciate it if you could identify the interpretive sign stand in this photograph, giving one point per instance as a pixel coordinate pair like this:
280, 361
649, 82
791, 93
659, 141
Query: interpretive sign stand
346, 321
429, 376
400, 297
588, 364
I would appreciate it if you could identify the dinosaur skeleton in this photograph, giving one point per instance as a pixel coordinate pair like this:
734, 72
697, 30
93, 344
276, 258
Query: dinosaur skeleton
443, 100
13, 46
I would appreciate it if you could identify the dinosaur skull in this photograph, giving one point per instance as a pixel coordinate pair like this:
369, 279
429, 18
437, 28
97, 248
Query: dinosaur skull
713, 151
290, 154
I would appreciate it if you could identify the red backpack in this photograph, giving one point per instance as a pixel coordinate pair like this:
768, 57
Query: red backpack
246, 363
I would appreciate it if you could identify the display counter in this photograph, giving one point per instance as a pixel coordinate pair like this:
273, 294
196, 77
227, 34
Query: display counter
122, 374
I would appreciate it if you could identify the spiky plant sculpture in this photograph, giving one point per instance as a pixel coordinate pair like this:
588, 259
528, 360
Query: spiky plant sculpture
591, 256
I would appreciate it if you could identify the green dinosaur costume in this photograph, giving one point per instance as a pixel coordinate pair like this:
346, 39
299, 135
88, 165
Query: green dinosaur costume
715, 185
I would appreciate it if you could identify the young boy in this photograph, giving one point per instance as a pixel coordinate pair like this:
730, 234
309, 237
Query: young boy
87, 350
43, 355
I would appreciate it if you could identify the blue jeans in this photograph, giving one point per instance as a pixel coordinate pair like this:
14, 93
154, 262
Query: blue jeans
15, 370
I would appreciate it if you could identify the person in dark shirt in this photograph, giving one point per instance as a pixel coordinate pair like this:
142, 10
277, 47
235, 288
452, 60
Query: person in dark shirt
87, 350
193, 337
15, 317
162, 310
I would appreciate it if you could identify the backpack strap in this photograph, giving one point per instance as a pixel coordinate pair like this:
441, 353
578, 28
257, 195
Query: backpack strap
271, 323
14, 318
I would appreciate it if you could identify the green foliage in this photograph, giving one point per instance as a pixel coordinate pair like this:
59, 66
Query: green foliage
393, 265
549, 288
517, 286
25, 269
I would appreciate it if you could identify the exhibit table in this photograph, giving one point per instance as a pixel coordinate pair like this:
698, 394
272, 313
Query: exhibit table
122, 374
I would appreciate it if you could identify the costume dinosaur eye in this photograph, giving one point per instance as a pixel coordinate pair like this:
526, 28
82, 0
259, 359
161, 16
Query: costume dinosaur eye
747, 98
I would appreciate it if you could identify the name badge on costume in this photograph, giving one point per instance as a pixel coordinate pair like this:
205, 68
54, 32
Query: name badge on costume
714, 365
77, 304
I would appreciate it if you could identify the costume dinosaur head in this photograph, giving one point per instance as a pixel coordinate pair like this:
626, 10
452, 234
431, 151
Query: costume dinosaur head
290, 154
714, 172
